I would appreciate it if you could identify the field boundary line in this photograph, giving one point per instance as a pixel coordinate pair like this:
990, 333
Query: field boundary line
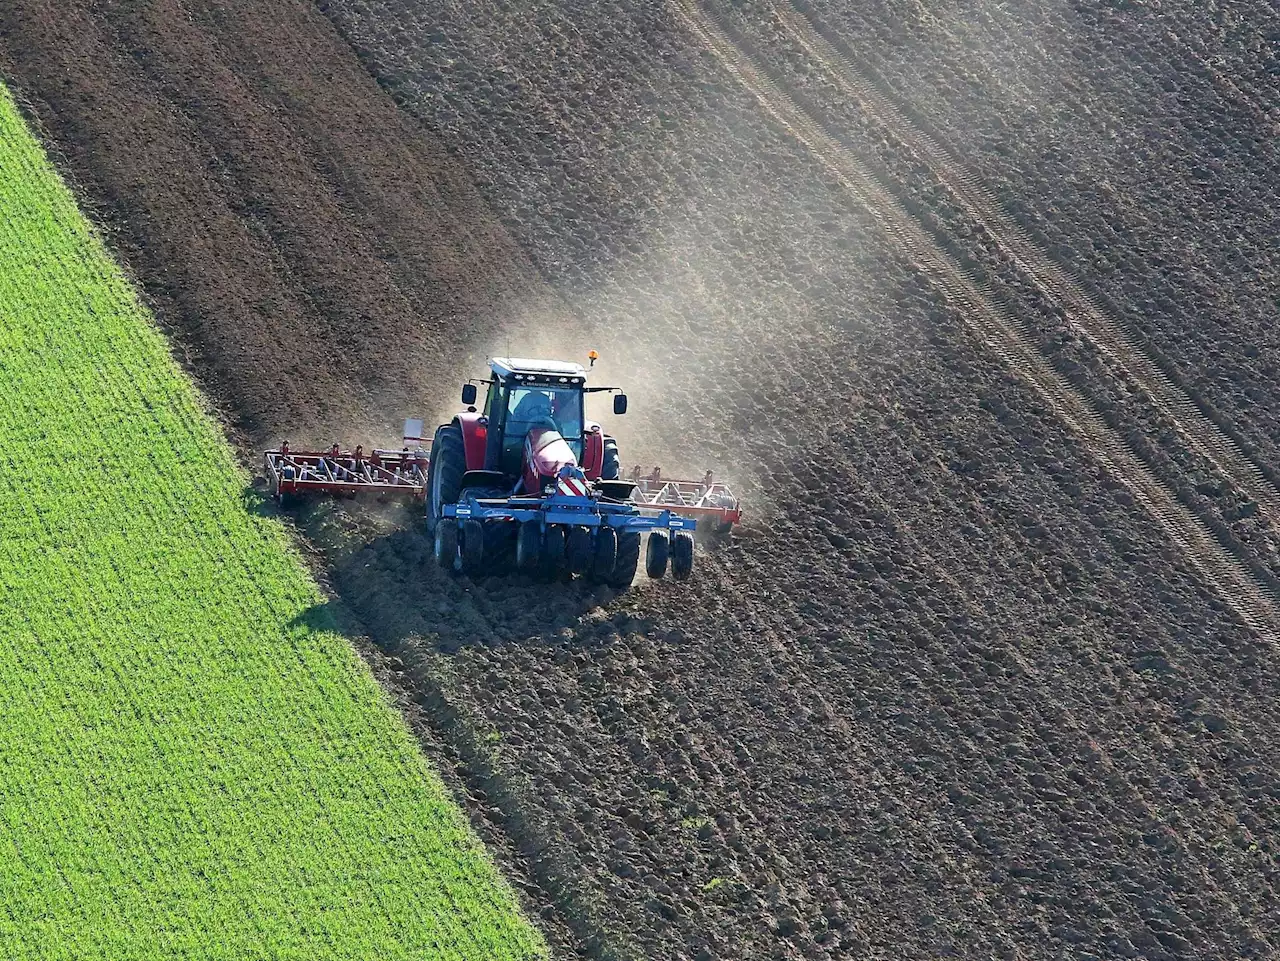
1087, 317
995, 325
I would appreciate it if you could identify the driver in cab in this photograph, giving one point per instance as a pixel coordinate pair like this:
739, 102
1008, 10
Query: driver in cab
536, 410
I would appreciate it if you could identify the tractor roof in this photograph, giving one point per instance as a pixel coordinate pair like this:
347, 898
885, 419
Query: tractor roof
504, 367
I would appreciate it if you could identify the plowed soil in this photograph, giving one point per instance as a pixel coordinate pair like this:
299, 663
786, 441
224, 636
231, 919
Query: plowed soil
990, 670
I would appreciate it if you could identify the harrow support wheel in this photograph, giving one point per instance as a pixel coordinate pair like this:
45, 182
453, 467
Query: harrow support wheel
446, 543
604, 554
681, 555
626, 561
578, 550
553, 551
529, 547
473, 548
656, 554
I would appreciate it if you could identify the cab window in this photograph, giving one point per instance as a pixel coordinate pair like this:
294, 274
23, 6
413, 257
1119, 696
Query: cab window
533, 407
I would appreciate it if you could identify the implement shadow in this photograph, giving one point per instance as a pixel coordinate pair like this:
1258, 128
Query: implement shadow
378, 562
424, 632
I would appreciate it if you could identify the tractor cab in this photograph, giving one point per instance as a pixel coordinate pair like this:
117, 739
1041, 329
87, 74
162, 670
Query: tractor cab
526, 396
533, 402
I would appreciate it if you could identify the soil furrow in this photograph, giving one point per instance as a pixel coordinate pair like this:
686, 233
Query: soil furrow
1056, 716
1237, 583
1154, 374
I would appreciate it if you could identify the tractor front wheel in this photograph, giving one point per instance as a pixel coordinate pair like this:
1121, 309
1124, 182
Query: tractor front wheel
681, 555
578, 550
446, 543
656, 554
626, 561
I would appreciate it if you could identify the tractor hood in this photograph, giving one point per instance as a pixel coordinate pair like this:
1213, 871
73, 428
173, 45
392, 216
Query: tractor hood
545, 452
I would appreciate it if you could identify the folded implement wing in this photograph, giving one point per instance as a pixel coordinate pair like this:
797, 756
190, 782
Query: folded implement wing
706, 498
346, 473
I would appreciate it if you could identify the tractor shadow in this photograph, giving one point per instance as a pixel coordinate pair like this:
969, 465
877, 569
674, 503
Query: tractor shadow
395, 592
257, 500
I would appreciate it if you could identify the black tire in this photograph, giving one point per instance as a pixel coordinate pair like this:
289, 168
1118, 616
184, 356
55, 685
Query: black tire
626, 561
656, 554
499, 536
681, 555
553, 551
529, 547
612, 465
604, 554
578, 550
499, 546
446, 543
444, 472
472, 548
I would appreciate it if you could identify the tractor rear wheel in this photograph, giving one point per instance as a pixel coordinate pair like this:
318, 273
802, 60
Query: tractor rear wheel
553, 550
611, 469
473, 548
578, 550
681, 555
656, 554
444, 472
626, 561
604, 554
446, 543
529, 547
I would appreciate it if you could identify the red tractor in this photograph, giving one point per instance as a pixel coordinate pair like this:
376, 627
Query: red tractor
530, 480
526, 480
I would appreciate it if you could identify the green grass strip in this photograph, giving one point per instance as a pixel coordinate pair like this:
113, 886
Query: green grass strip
187, 769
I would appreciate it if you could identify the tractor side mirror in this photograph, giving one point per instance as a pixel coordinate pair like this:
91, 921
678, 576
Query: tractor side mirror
468, 394
619, 403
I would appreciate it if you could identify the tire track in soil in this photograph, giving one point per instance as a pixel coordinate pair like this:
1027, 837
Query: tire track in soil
982, 207
998, 329
1204, 434
1132, 790
1055, 716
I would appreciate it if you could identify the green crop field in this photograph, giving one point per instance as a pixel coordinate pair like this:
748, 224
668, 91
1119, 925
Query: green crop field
186, 768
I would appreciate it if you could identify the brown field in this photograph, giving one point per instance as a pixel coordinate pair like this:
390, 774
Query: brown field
977, 310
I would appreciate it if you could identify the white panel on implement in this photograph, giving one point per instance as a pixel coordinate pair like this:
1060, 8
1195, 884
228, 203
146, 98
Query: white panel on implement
413, 434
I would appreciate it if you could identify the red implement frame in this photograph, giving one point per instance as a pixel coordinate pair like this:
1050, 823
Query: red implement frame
698, 499
335, 471
403, 473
